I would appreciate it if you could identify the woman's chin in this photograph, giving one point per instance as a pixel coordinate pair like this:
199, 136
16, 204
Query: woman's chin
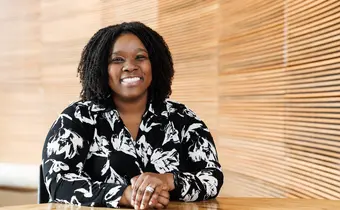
132, 97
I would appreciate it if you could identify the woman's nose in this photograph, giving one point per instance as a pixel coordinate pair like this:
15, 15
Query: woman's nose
129, 66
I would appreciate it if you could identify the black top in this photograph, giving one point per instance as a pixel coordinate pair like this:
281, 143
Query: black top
89, 155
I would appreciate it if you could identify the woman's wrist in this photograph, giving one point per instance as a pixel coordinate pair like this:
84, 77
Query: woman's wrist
170, 181
126, 197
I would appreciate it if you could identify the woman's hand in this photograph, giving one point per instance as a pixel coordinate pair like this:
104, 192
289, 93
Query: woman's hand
126, 197
147, 187
162, 201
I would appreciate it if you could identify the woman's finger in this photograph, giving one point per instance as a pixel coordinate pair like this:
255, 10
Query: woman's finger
159, 189
135, 189
148, 182
150, 189
165, 194
159, 206
152, 200
163, 200
133, 180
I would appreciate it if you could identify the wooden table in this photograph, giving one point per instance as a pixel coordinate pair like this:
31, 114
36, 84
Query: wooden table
220, 203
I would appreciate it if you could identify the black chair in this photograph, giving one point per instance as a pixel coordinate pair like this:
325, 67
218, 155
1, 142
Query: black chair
43, 196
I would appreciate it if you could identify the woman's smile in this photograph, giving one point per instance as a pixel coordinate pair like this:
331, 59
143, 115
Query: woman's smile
131, 81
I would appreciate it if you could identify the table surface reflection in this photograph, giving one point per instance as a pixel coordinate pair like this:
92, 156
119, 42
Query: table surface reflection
220, 203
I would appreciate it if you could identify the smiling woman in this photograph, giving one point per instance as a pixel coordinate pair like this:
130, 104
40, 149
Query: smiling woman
125, 143
130, 69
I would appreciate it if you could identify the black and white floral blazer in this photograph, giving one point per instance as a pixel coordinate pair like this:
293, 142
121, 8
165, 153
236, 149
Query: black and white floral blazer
89, 155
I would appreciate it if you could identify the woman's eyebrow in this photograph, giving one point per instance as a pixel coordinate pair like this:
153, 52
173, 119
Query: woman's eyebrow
116, 53
122, 52
141, 49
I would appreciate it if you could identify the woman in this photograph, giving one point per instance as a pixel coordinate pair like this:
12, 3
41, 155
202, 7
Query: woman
125, 143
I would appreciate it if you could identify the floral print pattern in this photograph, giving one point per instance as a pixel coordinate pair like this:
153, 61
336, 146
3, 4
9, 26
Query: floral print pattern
89, 155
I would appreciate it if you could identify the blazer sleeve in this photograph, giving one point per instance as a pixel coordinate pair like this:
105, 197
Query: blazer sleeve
64, 154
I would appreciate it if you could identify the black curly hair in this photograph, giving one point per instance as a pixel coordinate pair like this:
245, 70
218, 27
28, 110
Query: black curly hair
93, 65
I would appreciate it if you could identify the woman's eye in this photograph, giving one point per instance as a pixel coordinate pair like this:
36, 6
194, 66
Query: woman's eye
141, 57
117, 60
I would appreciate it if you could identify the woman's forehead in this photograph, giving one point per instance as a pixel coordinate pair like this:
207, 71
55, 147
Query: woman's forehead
128, 43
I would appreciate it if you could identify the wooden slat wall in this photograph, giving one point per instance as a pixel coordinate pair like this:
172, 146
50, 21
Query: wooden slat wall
312, 135
191, 30
21, 93
262, 74
252, 146
65, 28
279, 98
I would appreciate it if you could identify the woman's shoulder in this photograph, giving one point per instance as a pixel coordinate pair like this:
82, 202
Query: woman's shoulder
81, 105
82, 112
174, 107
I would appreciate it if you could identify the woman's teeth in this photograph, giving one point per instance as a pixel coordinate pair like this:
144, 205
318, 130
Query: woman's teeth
131, 79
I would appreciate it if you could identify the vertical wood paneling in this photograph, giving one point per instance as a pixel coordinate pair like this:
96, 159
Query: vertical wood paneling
20, 89
279, 98
313, 40
191, 30
252, 140
114, 12
65, 29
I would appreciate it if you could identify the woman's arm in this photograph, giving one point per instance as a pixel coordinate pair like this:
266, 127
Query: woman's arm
203, 178
64, 155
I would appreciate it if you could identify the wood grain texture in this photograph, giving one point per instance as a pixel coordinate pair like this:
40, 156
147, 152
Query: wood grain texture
279, 98
262, 74
220, 203
20, 90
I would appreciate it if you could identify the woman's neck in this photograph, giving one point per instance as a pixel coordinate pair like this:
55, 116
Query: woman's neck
134, 107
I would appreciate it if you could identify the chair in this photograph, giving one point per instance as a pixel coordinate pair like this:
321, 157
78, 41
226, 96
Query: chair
43, 196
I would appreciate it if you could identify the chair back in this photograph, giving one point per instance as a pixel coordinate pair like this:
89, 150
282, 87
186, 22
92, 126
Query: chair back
43, 196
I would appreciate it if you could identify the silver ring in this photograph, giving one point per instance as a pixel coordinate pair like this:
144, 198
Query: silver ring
149, 189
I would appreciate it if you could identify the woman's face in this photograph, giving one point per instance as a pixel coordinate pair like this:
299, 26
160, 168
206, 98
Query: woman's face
129, 69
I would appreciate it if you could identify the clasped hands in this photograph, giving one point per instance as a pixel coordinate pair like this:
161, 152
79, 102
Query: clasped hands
150, 190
